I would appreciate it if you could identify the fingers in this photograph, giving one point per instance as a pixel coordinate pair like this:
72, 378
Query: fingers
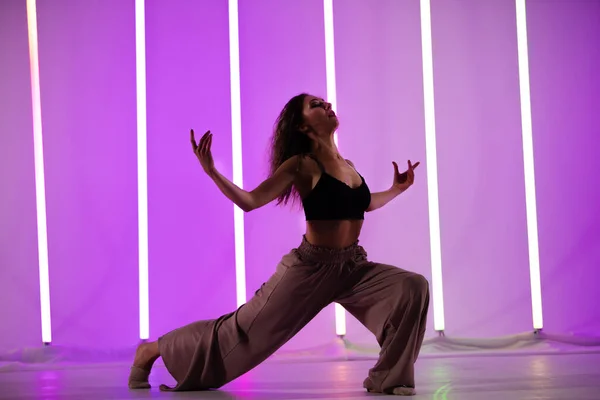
193, 140
208, 144
203, 147
399, 177
201, 143
408, 176
413, 166
205, 143
411, 171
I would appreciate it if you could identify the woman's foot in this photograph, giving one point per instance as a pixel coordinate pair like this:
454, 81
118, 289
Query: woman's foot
404, 391
397, 391
145, 356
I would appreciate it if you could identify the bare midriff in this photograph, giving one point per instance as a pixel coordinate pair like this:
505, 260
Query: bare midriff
333, 234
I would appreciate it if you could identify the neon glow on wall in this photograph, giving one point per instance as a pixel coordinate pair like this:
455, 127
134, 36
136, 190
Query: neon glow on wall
236, 148
40, 188
340, 312
142, 168
528, 164
432, 177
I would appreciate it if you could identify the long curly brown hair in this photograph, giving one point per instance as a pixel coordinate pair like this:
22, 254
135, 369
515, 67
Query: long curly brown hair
288, 141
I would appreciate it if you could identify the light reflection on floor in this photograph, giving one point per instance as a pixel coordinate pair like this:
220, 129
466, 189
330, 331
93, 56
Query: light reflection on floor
568, 376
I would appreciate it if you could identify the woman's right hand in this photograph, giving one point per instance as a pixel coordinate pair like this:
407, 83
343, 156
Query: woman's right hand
202, 151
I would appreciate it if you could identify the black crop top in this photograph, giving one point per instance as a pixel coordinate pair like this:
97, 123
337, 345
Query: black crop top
332, 199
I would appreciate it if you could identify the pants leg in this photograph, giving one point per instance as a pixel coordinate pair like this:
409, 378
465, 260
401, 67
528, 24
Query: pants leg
208, 354
392, 303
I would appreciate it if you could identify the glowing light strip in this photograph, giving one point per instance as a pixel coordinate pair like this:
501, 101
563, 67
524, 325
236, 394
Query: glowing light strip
431, 159
40, 187
340, 312
142, 168
330, 57
236, 148
528, 164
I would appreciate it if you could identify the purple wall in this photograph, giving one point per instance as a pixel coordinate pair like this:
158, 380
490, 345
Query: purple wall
279, 58
87, 75
565, 87
87, 63
380, 99
19, 278
481, 181
192, 266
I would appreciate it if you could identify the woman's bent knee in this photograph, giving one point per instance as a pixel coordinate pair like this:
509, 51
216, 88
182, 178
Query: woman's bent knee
418, 284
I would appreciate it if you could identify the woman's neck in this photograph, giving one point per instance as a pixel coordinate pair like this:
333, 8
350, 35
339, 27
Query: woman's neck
326, 149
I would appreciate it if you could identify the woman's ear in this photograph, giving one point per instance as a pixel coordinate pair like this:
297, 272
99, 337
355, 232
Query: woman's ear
303, 128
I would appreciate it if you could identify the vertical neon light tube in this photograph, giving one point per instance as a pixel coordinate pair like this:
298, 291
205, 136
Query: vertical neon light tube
432, 178
236, 148
528, 164
40, 186
340, 313
142, 168
330, 57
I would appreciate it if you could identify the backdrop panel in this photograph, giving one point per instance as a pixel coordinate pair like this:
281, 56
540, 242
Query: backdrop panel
481, 182
282, 53
564, 63
87, 73
380, 92
19, 278
88, 94
192, 266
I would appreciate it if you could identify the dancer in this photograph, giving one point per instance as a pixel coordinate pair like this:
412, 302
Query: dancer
328, 266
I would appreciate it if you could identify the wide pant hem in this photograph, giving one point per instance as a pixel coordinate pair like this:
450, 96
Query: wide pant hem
167, 362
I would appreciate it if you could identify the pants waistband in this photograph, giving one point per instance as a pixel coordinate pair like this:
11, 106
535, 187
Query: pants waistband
320, 254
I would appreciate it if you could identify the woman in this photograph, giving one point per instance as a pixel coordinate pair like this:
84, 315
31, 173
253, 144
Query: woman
328, 266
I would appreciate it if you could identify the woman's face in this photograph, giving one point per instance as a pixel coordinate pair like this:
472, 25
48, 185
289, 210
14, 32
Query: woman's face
319, 118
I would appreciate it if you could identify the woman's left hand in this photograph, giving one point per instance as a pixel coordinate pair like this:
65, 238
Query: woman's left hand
403, 181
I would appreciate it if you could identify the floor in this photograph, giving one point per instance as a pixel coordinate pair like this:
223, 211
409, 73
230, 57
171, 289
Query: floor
467, 377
